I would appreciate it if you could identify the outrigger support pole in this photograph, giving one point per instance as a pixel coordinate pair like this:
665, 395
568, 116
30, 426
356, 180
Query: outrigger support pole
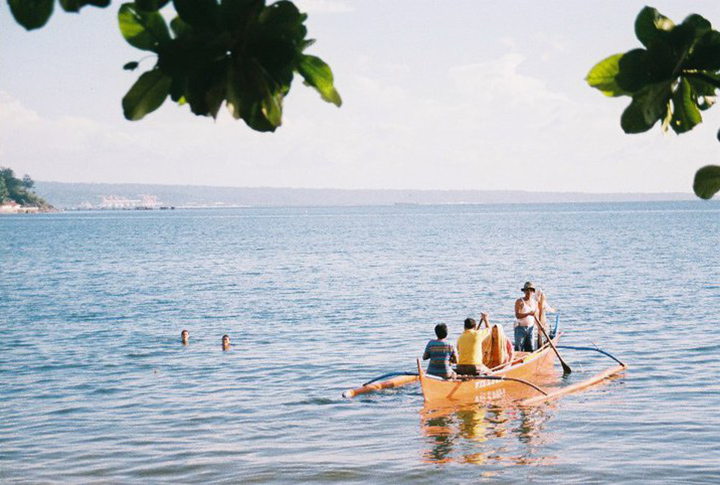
391, 374
595, 349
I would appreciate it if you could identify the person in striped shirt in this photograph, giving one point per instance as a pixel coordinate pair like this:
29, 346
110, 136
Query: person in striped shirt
441, 354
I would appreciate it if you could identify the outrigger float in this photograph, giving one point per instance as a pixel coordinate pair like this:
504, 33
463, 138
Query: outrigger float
512, 380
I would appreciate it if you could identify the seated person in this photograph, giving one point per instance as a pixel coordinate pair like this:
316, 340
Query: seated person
441, 354
497, 348
470, 348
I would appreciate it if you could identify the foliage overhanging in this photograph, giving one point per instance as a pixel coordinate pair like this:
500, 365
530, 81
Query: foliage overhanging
243, 53
671, 80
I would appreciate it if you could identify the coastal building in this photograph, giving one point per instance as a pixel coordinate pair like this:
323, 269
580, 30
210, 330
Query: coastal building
12, 207
117, 202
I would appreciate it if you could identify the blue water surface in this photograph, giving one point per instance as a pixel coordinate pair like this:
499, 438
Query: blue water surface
95, 386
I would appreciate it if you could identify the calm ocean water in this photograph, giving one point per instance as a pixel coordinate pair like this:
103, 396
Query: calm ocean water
95, 387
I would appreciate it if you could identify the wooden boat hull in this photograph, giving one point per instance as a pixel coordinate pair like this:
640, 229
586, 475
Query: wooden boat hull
534, 367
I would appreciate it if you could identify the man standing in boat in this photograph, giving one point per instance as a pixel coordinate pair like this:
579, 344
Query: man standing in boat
470, 347
525, 311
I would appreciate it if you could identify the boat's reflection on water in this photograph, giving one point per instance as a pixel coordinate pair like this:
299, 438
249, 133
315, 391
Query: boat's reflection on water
495, 431
482, 433
498, 430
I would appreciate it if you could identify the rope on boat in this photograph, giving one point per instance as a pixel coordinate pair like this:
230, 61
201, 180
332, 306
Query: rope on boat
391, 374
594, 349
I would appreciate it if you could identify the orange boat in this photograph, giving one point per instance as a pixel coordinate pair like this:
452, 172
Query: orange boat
512, 380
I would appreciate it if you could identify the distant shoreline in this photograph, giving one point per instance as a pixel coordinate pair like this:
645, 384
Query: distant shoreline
92, 196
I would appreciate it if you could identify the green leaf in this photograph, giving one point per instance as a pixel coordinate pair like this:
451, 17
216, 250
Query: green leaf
647, 107
178, 88
276, 41
207, 89
652, 27
698, 23
707, 181
131, 66
236, 14
179, 26
255, 118
144, 30
31, 14
602, 76
76, 5
272, 108
151, 5
234, 93
147, 94
703, 91
706, 53
633, 71
201, 14
686, 114
703, 87
285, 15
318, 75
686, 35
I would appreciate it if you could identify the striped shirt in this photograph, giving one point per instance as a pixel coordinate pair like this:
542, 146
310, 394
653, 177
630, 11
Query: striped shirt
441, 355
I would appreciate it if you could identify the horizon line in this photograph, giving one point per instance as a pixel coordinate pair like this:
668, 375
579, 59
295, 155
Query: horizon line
268, 187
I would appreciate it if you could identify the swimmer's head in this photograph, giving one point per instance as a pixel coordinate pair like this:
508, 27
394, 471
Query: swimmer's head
185, 337
225, 342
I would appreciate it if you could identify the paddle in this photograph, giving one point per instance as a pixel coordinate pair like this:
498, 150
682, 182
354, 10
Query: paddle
566, 368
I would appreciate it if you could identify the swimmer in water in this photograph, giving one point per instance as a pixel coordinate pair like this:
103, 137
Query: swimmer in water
225, 342
185, 337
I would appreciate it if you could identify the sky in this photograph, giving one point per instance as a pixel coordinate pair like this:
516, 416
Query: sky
479, 95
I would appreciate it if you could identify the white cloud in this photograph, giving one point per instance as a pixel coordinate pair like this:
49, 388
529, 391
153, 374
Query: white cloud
499, 81
13, 111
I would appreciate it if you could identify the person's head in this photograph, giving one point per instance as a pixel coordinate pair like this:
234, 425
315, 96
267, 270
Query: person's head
441, 330
185, 336
528, 288
470, 323
225, 341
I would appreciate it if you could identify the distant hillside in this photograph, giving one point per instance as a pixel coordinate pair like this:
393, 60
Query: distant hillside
73, 195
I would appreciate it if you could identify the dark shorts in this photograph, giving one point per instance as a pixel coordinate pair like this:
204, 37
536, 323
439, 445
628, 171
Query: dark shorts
441, 374
468, 370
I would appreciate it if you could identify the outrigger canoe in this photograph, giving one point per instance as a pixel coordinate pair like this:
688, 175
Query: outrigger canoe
518, 380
